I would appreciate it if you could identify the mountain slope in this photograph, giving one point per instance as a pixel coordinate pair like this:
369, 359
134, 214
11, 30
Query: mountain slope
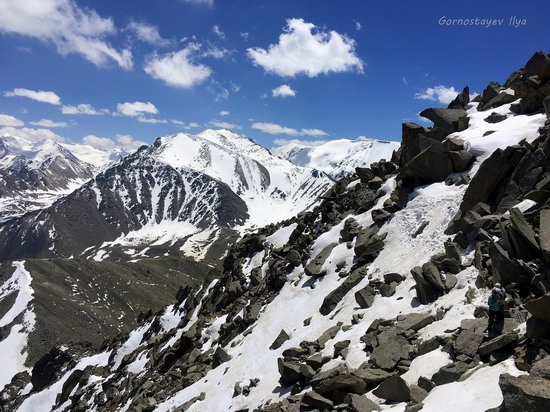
34, 174
362, 302
337, 157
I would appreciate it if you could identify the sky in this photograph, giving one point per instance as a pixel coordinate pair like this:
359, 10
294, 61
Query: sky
122, 73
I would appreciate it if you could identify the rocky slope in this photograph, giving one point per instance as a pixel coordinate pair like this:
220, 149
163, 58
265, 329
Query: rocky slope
373, 299
34, 174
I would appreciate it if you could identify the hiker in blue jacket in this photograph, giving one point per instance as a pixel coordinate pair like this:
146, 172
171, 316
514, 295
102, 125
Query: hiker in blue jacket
495, 307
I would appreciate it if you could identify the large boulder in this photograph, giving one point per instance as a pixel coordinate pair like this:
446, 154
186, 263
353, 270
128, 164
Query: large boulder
394, 389
414, 321
334, 297
432, 164
499, 100
391, 349
541, 368
470, 337
344, 382
524, 393
449, 120
316, 266
461, 100
540, 308
538, 65
499, 342
461, 160
350, 230
316, 400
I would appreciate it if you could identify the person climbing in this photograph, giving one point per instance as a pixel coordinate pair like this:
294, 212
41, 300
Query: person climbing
495, 307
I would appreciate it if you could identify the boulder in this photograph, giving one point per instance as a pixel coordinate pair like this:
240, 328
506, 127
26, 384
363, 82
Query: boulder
524, 393
499, 100
393, 277
289, 371
315, 266
449, 373
394, 389
453, 144
294, 257
495, 118
279, 340
537, 329
461, 160
498, 343
546, 104
364, 173
344, 382
491, 91
538, 64
432, 164
414, 321
468, 342
220, 356
316, 400
539, 308
372, 375
364, 238
417, 394
334, 297
350, 230
461, 100
432, 275
450, 120
541, 368
391, 349
365, 297
426, 384
426, 292
359, 403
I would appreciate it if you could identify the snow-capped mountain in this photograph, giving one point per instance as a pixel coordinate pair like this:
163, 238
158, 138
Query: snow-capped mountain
373, 299
337, 158
33, 174
179, 194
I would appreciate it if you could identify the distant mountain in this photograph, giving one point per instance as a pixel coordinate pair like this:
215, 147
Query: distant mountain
34, 174
337, 157
179, 194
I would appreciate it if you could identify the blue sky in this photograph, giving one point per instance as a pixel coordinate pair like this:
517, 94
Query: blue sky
124, 72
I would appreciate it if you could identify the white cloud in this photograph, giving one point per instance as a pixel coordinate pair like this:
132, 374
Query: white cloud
101, 143
207, 3
35, 135
152, 120
215, 52
136, 108
68, 27
217, 31
7, 120
245, 35
224, 125
274, 128
442, 94
283, 90
128, 142
147, 33
219, 92
49, 123
405, 80
305, 48
224, 113
39, 96
312, 143
183, 125
178, 69
87, 109
357, 25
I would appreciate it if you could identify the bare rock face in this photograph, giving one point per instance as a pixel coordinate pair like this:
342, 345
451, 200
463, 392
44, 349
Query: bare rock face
524, 393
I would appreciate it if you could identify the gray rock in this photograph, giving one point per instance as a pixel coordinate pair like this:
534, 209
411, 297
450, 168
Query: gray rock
343, 382
544, 234
539, 308
380, 215
372, 375
329, 334
537, 329
537, 65
541, 368
392, 348
461, 100
426, 383
393, 277
426, 292
220, 356
450, 281
307, 372
365, 297
524, 228
524, 393
499, 100
333, 298
432, 274
279, 340
414, 321
449, 373
417, 394
289, 371
468, 342
294, 257
394, 389
316, 400
350, 230
450, 120
315, 266
359, 403
498, 343
461, 160
495, 118
387, 290
546, 104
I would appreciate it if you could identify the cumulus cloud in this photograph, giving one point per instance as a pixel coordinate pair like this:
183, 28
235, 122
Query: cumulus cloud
152, 120
283, 90
224, 113
87, 109
8, 120
274, 128
441, 94
135, 109
49, 123
224, 125
38, 95
304, 48
101, 143
35, 135
147, 33
71, 29
128, 142
178, 69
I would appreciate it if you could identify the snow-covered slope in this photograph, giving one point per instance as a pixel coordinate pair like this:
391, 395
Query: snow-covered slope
33, 174
337, 157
